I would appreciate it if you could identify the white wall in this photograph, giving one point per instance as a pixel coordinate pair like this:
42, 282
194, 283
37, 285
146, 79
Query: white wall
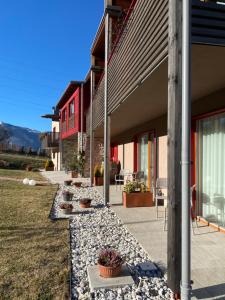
126, 156
162, 157
56, 155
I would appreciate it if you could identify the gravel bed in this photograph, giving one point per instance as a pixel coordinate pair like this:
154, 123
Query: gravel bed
101, 227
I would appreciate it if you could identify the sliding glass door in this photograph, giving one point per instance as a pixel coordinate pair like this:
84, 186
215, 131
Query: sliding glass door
211, 168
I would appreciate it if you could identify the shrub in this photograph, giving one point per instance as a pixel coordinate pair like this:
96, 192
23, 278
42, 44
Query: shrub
49, 163
97, 172
110, 258
134, 186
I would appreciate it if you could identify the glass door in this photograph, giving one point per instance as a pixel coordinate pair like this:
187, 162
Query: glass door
211, 168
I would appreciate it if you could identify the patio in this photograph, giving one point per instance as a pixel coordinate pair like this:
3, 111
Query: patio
208, 263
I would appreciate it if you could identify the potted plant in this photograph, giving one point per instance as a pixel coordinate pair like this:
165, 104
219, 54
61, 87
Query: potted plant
98, 176
49, 165
77, 165
67, 196
85, 203
110, 263
68, 182
66, 208
135, 194
77, 184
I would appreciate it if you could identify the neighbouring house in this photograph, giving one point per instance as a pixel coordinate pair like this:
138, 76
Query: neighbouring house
51, 140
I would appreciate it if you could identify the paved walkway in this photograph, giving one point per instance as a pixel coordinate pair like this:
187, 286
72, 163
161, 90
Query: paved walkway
208, 245
60, 177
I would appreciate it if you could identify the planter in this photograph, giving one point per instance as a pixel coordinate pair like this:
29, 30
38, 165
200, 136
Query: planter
138, 199
74, 174
77, 184
67, 196
49, 169
67, 211
109, 272
98, 181
68, 182
85, 203
28, 168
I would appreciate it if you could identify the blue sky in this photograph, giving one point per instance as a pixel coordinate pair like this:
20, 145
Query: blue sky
44, 45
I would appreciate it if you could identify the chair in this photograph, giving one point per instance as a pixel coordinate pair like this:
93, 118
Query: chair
123, 177
161, 184
139, 176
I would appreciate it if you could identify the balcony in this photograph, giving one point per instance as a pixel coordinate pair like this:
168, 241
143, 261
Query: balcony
143, 47
50, 140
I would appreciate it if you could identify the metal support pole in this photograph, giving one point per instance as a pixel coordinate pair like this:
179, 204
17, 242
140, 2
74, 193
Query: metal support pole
91, 127
185, 153
82, 116
106, 120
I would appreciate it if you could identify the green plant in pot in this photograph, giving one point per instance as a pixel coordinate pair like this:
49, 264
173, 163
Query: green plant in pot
135, 194
49, 165
98, 175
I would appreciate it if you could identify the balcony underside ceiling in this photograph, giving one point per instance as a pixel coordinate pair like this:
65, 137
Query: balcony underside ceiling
149, 100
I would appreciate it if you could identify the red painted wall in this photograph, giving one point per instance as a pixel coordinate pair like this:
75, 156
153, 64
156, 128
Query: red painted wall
76, 128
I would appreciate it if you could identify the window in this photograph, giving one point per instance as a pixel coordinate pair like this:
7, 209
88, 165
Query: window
71, 108
64, 115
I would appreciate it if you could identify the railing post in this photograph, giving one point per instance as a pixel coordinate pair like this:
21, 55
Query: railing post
106, 117
185, 154
91, 127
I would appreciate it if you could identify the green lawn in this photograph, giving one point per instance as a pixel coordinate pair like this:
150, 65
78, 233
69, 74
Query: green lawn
34, 250
18, 174
20, 160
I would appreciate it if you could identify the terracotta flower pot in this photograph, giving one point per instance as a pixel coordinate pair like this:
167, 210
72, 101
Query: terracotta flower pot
98, 181
74, 174
68, 182
77, 184
109, 272
85, 203
138, 199
67, 211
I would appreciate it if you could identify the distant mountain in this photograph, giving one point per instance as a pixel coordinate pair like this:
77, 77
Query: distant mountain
19, 136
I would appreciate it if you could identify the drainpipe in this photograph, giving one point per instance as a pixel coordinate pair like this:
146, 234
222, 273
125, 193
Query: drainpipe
91, 127
82, 116
106, 117
185, 153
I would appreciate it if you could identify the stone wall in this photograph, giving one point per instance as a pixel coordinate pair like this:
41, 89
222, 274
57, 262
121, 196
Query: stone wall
69, 149
98, 149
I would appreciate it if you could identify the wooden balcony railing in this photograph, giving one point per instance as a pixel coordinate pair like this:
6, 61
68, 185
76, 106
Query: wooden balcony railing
143, 46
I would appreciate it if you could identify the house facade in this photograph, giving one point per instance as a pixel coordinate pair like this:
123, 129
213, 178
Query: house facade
135, 87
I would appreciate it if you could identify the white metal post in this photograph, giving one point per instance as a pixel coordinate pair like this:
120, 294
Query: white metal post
185, 153
106, 119
91, 127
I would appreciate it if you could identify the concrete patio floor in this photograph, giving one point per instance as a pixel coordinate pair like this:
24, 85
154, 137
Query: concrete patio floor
208, 245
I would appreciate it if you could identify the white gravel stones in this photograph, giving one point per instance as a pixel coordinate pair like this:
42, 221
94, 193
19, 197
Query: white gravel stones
92, 231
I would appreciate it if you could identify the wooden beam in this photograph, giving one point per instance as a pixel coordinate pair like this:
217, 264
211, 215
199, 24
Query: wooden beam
174, 145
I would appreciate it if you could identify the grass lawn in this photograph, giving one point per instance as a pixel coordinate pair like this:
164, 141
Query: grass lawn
18, 174
34, 250
34, 161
